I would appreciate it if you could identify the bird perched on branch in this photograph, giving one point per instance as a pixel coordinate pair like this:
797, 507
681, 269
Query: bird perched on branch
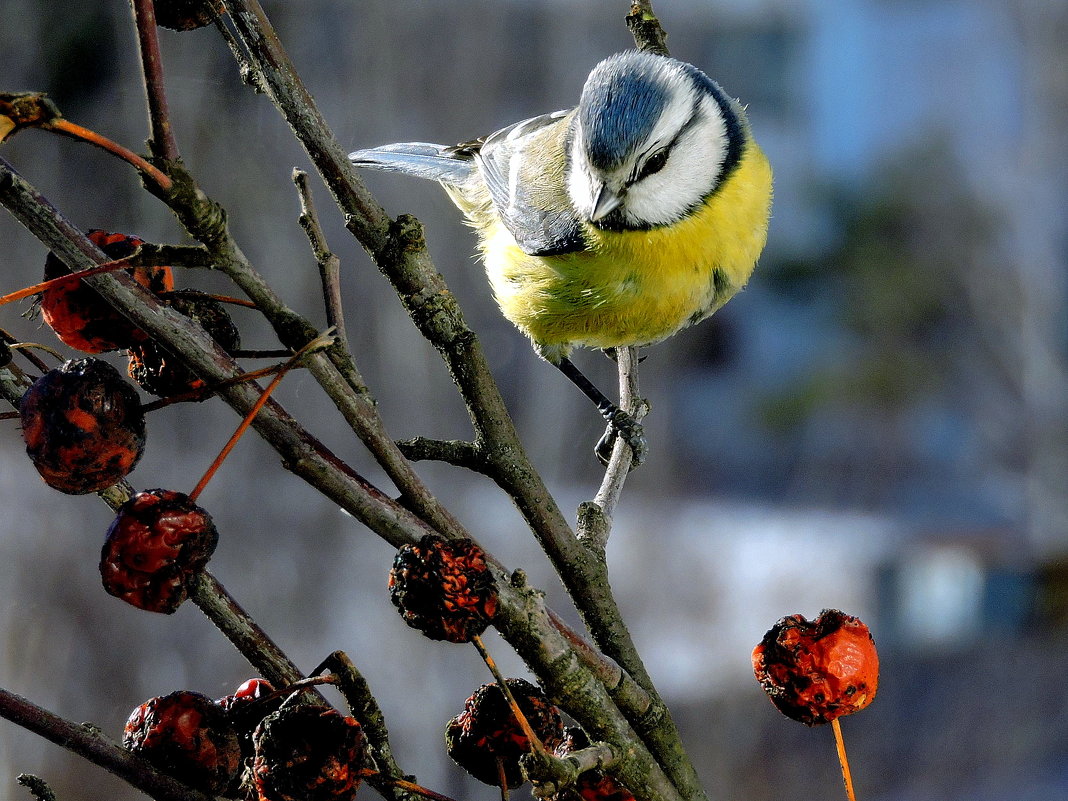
619, 222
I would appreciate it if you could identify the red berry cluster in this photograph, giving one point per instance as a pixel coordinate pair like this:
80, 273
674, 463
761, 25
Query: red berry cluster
83, 320
444, 588
302, 752
156, 548
83, 426
486, 739
817, 671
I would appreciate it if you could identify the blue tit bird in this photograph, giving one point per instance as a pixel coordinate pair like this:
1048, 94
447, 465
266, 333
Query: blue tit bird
619, 222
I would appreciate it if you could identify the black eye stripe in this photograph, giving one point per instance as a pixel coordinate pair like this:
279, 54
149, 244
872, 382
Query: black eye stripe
696, 116
654, 164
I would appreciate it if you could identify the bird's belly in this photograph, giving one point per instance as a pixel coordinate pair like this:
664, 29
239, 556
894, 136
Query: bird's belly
613, 297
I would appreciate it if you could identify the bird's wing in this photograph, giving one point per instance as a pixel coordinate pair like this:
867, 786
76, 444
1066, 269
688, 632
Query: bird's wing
421, 159
524, 167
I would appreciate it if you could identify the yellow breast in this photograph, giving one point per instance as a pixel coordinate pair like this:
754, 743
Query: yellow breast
635, 287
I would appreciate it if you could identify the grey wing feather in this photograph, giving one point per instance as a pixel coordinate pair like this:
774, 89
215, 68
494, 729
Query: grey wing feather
523, 167
421, 159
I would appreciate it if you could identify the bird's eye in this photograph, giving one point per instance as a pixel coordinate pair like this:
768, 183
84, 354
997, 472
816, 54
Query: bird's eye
654, 164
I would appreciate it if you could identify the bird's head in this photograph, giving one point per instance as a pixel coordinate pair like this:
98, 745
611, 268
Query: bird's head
652, 139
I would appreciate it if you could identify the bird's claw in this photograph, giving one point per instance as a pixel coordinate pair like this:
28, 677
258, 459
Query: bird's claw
623, 425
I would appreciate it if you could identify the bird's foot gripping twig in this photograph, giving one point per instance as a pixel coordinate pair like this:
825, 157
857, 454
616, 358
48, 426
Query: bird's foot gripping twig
622, 425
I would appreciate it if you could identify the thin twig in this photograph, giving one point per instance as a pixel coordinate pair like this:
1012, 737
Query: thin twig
644, 26
243, 632
455, 452
12, 342
523, 620
329, 263
161, 141
25, 347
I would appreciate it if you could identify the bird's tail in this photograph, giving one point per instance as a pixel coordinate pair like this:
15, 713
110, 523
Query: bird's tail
421, 159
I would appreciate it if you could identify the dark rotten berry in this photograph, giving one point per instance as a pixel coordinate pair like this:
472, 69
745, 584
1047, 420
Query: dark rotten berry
155, 549
83, 426
444, 588
81, 318
817, 671
186, 735
247, 707
308, 753
162, 374
486, 739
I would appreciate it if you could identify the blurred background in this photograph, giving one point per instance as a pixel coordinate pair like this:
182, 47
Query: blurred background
878, 423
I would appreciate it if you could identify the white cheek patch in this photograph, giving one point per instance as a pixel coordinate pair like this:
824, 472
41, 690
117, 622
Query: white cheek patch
691, 172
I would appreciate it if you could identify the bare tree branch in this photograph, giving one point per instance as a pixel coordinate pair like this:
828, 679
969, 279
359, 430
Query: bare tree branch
88, 742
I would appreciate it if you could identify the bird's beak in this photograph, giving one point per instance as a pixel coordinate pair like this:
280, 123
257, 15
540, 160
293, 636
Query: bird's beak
608, 200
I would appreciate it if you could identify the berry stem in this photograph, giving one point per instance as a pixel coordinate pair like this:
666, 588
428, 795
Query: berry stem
501, 778
315, 344
75, 131
404, 784
22, 347
535, 741
203, 392
51, 283
839, 742
248, 304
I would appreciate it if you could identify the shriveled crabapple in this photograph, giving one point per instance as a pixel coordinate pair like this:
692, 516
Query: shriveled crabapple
155, 549
83, 426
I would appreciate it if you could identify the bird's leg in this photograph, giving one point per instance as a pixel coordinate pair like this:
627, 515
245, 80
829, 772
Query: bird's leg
620, 424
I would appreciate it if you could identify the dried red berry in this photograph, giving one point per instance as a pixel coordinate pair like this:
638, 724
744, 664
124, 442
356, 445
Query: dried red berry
308, 753
160, 373
593, 785
83, 426
80, 317
186, 735
486, 739
250, 692
444, 588
155, 549
187, 15
817, 671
